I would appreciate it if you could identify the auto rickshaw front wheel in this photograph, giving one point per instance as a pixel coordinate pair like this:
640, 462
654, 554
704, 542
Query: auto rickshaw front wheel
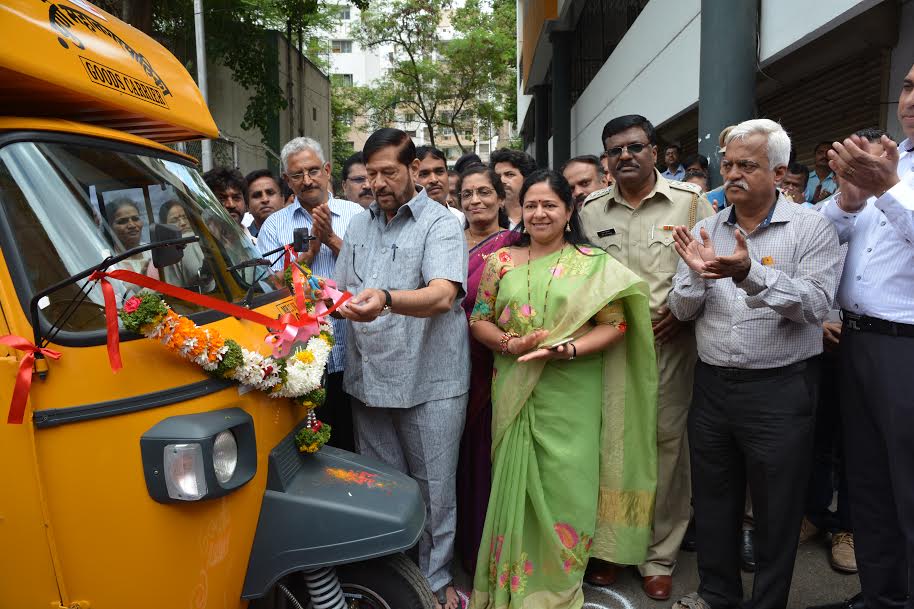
389, 582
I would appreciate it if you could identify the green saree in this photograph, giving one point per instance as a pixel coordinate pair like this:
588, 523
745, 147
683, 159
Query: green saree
573, 442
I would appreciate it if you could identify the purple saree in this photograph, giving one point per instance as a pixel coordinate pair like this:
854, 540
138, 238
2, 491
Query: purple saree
474, 469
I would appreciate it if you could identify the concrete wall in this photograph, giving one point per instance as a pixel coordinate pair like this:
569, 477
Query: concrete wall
786, 26
902, 59
654, 70
308, 112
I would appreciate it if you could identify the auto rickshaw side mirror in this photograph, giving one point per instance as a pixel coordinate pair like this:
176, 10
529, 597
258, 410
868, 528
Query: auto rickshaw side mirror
169, 254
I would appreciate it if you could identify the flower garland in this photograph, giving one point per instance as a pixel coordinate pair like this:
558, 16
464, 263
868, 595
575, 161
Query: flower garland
297, 376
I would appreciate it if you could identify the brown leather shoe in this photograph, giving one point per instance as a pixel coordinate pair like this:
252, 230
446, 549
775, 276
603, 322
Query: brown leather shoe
658, 587
600, 573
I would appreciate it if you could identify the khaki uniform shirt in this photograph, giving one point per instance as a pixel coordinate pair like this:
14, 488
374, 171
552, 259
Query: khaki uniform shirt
642, 238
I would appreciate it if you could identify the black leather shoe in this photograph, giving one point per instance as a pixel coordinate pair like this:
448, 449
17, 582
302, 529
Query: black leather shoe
747, 551
854, 602
688, 540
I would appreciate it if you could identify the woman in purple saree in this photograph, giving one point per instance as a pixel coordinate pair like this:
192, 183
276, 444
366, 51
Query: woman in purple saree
482, 199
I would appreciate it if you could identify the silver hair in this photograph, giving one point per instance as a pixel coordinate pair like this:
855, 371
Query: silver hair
778, 140
297, 145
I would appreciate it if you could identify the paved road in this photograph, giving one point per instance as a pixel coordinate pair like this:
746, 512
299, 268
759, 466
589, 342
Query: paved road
814, 583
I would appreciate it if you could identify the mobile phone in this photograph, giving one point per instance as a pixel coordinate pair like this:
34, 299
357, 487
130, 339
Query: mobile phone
560, 343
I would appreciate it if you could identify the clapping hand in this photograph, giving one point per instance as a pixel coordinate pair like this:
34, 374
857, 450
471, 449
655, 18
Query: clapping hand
696, 254
854, 161
701, 257
322, 226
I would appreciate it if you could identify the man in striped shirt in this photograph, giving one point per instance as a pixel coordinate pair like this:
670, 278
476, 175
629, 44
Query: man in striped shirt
307, 173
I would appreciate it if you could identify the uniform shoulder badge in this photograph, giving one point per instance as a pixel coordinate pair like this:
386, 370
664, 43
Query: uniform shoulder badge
597, 194
687, 186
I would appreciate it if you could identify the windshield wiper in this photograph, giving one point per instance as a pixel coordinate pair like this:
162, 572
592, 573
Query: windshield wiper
300, 240
57, 324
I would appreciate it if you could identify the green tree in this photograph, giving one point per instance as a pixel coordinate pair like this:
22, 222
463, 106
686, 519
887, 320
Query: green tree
236, 37
455, 84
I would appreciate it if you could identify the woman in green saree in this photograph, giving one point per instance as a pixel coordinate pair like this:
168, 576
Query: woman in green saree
574, 405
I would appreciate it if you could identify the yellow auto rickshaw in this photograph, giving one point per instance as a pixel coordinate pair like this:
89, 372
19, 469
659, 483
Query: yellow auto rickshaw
160, 485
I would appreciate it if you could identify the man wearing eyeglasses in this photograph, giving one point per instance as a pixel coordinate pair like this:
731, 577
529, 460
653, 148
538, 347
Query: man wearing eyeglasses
355, 181
758, 278
307, 173
633, 221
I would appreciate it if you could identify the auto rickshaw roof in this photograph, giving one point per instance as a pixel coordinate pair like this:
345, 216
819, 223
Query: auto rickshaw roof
68, 59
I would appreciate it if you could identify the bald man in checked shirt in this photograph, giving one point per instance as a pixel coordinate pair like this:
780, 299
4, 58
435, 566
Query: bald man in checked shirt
758, 279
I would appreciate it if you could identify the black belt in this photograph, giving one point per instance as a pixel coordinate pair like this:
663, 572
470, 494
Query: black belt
753, 374
864, 323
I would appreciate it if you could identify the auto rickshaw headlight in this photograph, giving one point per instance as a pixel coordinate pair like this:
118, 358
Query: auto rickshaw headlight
225, 456
184, 475
199, 456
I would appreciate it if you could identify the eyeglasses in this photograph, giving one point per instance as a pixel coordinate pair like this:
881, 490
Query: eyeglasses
355, 180
312, 173
482, 193
743, 166
635, 148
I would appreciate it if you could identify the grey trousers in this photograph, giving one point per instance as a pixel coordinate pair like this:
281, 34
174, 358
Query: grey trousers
423, 442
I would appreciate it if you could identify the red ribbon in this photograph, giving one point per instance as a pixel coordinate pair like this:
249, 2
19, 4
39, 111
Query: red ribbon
114, 337
274, 325
24, 377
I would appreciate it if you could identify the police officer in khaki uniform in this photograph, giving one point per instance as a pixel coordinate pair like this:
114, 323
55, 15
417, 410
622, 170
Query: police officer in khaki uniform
633, 221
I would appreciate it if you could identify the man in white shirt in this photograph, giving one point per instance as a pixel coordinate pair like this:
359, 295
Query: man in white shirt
874, 215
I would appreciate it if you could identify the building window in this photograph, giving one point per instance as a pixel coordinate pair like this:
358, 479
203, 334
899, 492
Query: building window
341, 46
342, 80
345, 13
410, 117
313, 113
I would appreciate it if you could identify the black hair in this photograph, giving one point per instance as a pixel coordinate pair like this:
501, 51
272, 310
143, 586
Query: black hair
525, 163
111, 207
694, 173
166, 207
701, 159
435, 153
871, 134
479, 169
621, 123
587, 159
820, 144
453, 172
354, 159
386, 137
675, 147
286, 191
467, 160
560, 186
799, 169
256, 175
222, 178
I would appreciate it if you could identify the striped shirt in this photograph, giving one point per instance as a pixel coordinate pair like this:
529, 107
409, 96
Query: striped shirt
277, 230
774, 316
878, 278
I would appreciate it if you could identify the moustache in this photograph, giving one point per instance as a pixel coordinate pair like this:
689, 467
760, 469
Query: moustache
738, 183
626, 165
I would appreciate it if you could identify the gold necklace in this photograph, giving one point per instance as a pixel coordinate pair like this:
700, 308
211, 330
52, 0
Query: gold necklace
548, 285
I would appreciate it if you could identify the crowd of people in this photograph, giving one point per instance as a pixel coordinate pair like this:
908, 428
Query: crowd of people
601, 365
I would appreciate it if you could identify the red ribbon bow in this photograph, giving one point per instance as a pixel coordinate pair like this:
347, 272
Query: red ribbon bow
24, 377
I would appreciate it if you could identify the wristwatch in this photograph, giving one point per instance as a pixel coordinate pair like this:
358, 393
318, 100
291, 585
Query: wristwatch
387, 303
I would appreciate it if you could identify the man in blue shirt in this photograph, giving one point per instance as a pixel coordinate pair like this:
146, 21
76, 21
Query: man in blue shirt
821, 183
308, 175
674, 169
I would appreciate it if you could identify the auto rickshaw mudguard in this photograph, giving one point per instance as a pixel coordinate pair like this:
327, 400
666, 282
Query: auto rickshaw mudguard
328, 508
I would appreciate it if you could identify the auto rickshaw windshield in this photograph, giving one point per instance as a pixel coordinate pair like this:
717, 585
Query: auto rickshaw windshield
67, 207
